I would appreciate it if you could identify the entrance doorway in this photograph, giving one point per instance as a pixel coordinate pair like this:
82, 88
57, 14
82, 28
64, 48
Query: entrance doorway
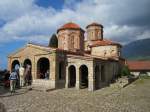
72, 74
15, 65
43, 66
84, 76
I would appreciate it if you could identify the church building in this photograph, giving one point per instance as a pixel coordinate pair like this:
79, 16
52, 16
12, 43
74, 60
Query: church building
76, 62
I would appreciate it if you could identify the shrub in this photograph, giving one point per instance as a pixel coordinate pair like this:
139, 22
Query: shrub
125, 71
53, 41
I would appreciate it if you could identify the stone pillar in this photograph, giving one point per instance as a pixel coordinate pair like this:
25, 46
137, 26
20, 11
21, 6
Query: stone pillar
9, 64
34, 70
53, 69
67, 78
77, 78
91, 79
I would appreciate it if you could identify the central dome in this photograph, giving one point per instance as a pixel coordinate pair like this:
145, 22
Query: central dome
94, 24
69, 25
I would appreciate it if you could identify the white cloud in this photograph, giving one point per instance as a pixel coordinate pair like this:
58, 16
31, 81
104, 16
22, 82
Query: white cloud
11, 9
25, 20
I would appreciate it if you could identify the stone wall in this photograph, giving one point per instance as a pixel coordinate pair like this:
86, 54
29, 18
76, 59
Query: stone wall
106, 51
78, 61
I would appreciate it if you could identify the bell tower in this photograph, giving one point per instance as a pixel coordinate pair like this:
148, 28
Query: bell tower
94, 32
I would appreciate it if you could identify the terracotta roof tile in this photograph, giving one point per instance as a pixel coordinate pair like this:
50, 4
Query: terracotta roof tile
138, 65
70, 25
103, 42
94, 24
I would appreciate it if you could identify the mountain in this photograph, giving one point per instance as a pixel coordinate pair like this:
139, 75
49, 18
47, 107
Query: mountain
137, 50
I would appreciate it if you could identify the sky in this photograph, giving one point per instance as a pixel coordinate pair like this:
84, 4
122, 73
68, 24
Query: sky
23, 21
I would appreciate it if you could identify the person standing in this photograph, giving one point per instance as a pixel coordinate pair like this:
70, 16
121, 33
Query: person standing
47, 74
13, 78
28, 77
21, 73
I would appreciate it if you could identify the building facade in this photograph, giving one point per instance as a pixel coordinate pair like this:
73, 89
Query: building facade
76, 62
139, 68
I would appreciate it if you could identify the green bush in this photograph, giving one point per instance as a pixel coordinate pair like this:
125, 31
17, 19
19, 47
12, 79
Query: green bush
125, 71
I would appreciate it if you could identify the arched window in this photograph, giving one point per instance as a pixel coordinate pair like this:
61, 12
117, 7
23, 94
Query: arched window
72, 42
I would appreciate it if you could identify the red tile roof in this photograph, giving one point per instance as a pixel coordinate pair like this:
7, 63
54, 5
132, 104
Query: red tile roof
70, 25
138, 65
94, 24
103, 42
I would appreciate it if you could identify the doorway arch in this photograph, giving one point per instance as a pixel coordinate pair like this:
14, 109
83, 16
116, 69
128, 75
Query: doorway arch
84, 76
72, 75
15, 65
43, 66
27, 62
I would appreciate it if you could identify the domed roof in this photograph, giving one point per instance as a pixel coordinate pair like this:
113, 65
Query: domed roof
94, 24
70, 25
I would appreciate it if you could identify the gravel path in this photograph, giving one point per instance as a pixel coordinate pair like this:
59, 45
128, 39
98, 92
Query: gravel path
133, 98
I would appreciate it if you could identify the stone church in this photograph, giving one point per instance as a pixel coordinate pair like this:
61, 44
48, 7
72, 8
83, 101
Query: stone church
77, 62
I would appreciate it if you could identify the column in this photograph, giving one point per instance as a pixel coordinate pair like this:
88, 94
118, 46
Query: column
53, 70
9, 64
67, 78
91, 79
34, 69
77, 78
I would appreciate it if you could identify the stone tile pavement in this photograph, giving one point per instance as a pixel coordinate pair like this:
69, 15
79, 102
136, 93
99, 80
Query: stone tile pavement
133, 98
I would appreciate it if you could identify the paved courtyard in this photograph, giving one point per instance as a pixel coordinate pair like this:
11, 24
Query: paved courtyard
133, 98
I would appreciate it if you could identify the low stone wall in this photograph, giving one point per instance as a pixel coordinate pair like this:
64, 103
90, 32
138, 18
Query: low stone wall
120, 83
42, 84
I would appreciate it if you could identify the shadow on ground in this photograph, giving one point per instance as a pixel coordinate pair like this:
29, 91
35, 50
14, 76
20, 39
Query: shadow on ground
5, 92
2, 108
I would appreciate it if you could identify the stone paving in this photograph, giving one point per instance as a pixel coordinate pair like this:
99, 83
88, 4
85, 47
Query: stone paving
133, 98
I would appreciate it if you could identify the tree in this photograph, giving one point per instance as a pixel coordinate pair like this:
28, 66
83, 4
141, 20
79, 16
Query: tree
125, 71
53, 41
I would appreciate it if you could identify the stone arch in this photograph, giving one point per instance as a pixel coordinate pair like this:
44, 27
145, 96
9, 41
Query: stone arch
15, 65
84, 76
72, 75
97, 77
28, 68
27, 62
43, 66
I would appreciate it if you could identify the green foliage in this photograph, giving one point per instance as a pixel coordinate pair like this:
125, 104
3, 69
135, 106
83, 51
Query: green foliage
125, 71
53, 41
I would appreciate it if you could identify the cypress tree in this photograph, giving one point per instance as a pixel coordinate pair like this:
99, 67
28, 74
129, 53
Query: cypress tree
53, 41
